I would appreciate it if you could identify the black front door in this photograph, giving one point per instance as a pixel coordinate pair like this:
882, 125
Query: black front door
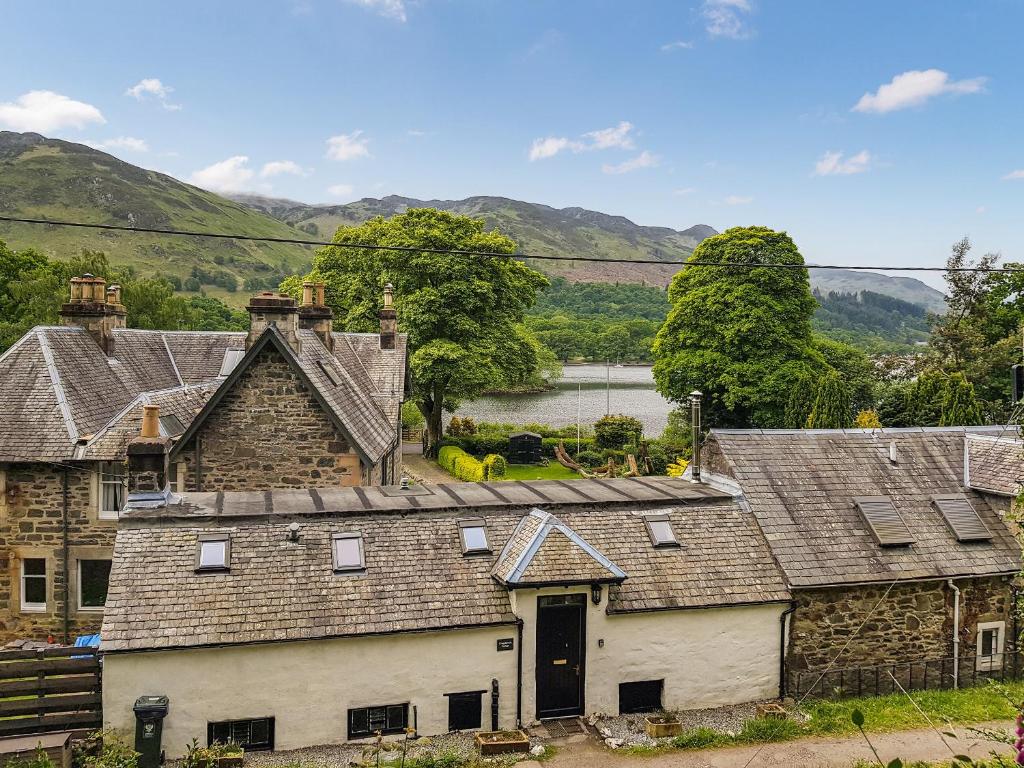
561, 628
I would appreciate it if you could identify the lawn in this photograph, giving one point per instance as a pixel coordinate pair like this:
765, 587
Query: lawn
553, 471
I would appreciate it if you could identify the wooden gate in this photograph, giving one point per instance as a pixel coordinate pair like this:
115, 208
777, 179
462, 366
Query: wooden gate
50, 689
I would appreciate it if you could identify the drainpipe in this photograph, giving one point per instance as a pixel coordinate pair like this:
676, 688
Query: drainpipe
64, 559
519, 673
956, 633
783, 683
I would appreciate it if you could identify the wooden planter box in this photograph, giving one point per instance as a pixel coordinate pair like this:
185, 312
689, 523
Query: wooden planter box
660, 727
770, 711
500, 742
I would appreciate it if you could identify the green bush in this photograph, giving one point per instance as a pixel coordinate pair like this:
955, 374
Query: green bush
617, 430
768, 729
699, 738
462, 426
494, 466
412, 417
103, 749
479, 444
465, 467
590, 458
39, 760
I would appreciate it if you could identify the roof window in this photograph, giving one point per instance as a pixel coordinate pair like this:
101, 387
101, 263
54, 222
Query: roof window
171, 425
213, 552
962, 518
331, 376
348, 552
659, 528
473, 534
231, 359
885, 521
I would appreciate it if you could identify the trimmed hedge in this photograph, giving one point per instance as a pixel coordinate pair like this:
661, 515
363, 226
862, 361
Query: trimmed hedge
463, 466
483, 444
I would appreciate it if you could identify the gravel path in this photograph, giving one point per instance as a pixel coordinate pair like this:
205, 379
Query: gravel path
425, 470
629, 729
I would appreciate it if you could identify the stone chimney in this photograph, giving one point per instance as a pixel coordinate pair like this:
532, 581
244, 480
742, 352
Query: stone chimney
96, 308
273, 309
315, 315
148, 457
388, 319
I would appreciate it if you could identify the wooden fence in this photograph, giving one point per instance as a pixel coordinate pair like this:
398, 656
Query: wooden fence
50, 689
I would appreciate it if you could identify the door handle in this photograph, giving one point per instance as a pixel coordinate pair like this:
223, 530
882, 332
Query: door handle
577, 668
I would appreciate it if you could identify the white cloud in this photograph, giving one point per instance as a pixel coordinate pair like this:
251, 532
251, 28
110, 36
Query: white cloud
278, 167
684, 191
46, 111
231, 175
391, 9
726, 18
552, 145
152, 86
676, 45
617, 137
980, 209
644, 160
834, 164
611, 137
1014, 175
128, 143
341, 192
348, 146
415, 133
914, 88
737, 200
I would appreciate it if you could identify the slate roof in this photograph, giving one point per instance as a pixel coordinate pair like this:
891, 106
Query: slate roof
59, 391
995, 463
801, 487
416, 576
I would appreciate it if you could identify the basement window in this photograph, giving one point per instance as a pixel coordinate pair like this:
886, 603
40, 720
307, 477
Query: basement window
990, 645
474, 537
388, 718
33, 585
465, 711
642, 696
659, 528
253, 735
348, 552
232, 357
213, 552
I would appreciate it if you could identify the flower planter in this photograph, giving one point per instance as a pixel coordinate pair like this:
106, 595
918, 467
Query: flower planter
500, 742
233, 760
770, 711
662, 726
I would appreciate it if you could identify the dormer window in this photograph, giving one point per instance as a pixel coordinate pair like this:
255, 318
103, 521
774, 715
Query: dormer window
348, 552
659, 528
213, 552
474, 537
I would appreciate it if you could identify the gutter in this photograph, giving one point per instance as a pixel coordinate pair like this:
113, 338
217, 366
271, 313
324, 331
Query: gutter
956, 633
783, 682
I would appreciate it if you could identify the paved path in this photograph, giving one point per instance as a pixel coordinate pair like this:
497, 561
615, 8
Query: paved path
583, 752
427, 470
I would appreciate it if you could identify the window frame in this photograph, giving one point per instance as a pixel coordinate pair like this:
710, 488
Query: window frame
248, 747
454, 699
27, 607
371, 731
661, 517
235, 355
104, 473
204, 538
476, 522
81, 590
338, 567
995, 660
624, 687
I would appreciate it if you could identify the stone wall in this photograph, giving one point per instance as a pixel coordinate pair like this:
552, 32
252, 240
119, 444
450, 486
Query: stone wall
31, 526
913, 622
269, 432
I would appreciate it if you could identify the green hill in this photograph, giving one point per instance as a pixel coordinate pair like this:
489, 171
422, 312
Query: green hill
49, 178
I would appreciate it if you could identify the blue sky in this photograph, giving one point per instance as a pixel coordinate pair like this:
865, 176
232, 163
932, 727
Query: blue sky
875, 133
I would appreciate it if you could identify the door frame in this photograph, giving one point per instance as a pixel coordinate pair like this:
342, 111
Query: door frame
582, 677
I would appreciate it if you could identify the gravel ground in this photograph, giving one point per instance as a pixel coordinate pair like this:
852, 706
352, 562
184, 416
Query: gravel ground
628, 730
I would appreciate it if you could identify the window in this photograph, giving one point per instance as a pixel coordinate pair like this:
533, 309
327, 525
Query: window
171, 425
474, 537
962, 518
176, 477
348, 552
990, 645
464, 711
366, 721
111, 489
93, 578
213, 552
659, 527
33, 584
331, 376
252, 735
231, 358
643, 696
885, 521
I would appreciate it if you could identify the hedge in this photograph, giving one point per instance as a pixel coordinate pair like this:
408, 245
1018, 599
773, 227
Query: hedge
483, 444
465, 467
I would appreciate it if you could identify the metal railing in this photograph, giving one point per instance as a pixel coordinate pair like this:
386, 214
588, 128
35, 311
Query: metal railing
916, 675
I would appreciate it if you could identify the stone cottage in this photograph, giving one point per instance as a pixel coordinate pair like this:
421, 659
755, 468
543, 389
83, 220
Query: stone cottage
290, 403
893, 553
296, 618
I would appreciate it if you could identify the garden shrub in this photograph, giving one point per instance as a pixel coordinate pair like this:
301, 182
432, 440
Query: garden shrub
38, 760
494, 466
617, 430
479, 444
463, 426
590, 458
472, 470
103, 749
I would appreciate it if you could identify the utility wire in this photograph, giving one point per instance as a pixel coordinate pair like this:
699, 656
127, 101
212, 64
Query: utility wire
489, 254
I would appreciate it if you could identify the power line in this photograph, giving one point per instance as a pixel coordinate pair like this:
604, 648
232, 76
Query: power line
488, 254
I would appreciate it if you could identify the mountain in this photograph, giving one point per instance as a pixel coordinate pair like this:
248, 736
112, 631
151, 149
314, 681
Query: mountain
907, 289
49, 178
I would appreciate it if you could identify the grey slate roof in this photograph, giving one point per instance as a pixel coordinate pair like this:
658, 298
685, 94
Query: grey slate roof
995, 463
801, 487
416, 577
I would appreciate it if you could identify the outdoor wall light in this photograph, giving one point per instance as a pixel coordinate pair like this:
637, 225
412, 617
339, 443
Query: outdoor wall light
595, 594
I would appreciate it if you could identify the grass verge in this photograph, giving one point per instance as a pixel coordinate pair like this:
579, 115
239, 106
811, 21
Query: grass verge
553, 471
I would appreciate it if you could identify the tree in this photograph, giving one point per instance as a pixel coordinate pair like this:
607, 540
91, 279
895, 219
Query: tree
831, 409
867, 419
800, 402
959, 404
460, 311
740, 334
616, 431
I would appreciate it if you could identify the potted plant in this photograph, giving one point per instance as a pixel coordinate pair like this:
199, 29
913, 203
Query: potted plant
662, 725
500, 742
216, 755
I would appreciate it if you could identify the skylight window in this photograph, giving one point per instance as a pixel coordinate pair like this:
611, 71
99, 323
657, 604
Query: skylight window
213, 552
231, 358
331, 377
885, 521
962, 518
171, 425
474, 537
659, 527
348, 552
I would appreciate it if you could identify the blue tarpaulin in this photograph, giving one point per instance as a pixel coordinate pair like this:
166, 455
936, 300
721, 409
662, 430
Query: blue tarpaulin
87, 641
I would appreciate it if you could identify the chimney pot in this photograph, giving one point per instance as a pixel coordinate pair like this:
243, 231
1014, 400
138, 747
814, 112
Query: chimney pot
388, 319
320, 291
93, 308
389, 296
150, 421
307, 294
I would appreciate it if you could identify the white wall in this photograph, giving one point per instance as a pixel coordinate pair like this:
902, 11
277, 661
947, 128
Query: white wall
309, 686
707, 657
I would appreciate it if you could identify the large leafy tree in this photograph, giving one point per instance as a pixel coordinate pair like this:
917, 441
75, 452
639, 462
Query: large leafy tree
831, 409
741, 334
463, 313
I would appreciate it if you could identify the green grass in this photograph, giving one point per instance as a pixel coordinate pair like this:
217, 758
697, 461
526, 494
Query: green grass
553, 471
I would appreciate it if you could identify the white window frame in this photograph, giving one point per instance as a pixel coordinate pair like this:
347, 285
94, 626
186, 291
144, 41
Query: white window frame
89, 608
27, 607
213, 538
340, 567
474, 523
106, 477
995, 661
